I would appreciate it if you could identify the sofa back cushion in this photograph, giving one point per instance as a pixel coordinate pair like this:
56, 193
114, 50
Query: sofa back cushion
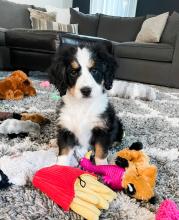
87, 23
14, 15
171, 29
119, 29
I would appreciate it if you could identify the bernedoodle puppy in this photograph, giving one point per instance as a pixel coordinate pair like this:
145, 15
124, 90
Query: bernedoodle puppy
86, 118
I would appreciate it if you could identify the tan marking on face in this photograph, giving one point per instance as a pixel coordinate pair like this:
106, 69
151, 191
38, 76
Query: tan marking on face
91, 63
74, 65
72, 91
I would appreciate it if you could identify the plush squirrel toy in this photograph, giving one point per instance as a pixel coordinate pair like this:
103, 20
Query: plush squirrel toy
133, 172
16, 86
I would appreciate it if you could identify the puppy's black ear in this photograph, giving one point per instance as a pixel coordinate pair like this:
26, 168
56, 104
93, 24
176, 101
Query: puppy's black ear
109, 65
57, 71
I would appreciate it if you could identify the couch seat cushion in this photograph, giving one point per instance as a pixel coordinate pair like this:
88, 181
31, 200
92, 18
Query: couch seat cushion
119, 29
37, 40
144, 51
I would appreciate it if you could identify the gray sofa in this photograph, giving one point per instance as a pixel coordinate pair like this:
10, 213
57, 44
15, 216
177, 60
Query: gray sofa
22, 47
153, 63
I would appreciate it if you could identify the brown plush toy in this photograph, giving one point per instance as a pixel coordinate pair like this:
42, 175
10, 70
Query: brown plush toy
140, 176
16, 86
35, 117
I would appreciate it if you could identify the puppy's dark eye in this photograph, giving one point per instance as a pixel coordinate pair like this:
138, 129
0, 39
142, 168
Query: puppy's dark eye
73, 72
93, 71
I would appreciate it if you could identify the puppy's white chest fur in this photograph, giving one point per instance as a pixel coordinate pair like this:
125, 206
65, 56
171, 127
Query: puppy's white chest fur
80, 116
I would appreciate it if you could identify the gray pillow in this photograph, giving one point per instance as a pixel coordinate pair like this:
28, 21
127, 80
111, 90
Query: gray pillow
87, 24
119, 29
39, 8
171, 29
14, 15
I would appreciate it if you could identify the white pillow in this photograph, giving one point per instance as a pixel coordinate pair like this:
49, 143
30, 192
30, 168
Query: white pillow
62, 14
152, 29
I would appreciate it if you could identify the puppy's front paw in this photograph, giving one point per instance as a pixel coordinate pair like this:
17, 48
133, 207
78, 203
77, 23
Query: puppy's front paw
53, 143
99, 161
63, 160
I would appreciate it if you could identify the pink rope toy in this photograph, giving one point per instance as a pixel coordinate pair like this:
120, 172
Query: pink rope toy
167, 211
111, 174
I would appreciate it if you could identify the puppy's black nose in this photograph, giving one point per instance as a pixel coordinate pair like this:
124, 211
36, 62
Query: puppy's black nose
86, 91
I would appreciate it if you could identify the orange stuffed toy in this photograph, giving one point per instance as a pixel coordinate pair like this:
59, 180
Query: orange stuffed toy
16, 86
140, 176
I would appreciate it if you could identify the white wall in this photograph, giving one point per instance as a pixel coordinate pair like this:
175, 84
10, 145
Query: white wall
42, 3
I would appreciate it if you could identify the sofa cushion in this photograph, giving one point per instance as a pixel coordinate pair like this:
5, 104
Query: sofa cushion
31, 39
119, 29
171, 30
2, 36
144, 51
87, 23
14, 15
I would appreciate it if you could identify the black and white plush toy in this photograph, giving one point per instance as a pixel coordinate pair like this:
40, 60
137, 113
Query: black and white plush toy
14, 127
130, 90
19, 169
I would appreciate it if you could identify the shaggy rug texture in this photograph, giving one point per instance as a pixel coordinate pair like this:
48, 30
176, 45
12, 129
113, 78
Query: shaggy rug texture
155, 123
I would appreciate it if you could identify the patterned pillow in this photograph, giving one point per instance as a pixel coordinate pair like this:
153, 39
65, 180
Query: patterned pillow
49, 16
42, 24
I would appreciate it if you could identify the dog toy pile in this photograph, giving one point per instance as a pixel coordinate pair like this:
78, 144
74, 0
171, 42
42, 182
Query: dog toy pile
76, 189
132, 172
34, 117
16, 86
167, 211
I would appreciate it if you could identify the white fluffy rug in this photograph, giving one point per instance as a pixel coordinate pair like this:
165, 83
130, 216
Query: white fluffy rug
155, 123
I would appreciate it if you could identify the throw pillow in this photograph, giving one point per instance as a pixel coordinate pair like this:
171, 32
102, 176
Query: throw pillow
87, 23
171, 30
42, 24
62, 14
152, 29
49, 16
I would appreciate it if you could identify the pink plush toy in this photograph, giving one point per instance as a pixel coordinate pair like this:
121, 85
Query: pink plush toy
167, 211
45, 84
111, 174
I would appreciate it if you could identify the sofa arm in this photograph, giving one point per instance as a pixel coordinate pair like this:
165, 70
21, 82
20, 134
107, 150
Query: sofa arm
76, 40
174, 77
2, 36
